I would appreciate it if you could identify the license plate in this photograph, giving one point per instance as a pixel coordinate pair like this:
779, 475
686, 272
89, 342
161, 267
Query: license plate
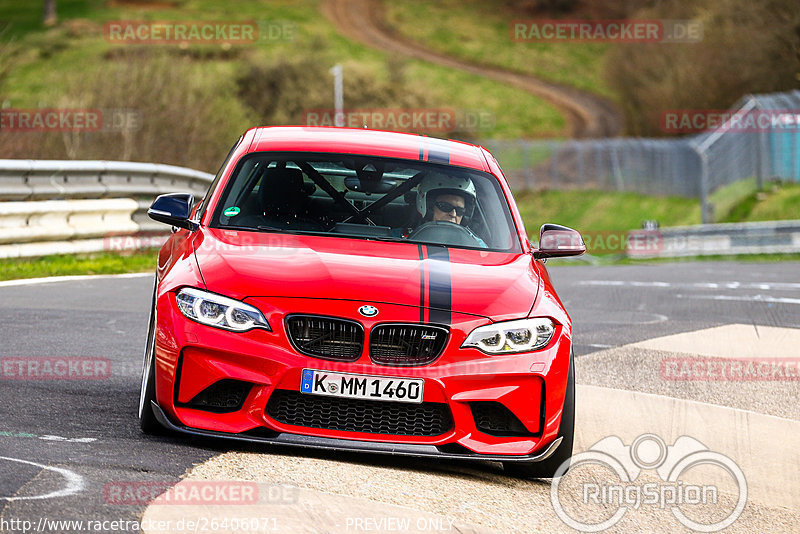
354, 386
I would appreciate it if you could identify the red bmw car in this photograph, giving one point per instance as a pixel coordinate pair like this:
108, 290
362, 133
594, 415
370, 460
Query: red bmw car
361, 290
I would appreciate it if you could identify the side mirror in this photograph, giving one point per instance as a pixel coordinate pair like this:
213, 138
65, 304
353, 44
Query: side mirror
174, 209
556, 241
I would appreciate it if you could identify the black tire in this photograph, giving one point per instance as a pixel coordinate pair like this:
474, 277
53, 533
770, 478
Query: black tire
547, 468
147, 419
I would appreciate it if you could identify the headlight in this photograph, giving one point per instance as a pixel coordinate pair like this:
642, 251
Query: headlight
523, 335
219, 311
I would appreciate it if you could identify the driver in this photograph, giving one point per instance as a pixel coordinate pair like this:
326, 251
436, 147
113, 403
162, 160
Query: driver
441, 197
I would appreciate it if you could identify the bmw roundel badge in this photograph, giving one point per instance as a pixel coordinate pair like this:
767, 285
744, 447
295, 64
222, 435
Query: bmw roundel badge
368, 311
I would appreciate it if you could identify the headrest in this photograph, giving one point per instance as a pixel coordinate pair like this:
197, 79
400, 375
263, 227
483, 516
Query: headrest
282, 191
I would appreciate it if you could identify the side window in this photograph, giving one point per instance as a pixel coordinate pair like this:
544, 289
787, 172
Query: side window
204, 204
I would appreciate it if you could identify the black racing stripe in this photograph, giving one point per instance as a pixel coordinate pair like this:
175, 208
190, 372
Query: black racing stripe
440, 298
438, 154
421, 286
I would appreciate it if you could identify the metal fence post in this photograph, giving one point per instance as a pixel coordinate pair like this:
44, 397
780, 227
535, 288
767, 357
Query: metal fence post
615, 167
526, 165
599, 175
759, 160
705, 209
794, 174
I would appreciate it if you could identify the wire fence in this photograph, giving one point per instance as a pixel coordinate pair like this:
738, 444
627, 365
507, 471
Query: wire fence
758, 139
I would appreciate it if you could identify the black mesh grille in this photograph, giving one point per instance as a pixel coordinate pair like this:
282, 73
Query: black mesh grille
227, 395
406, 344
496, 420
326, 337
356, 415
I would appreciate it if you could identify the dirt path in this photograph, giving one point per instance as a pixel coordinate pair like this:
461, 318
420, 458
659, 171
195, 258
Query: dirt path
588, 115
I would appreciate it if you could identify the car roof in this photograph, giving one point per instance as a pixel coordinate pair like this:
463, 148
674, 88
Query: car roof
367, 142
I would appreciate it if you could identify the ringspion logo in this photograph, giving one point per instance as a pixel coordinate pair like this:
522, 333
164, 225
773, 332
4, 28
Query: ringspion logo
624, 490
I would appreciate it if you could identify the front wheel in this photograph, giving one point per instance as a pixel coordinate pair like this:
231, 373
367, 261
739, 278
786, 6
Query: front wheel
147, 419
547, 468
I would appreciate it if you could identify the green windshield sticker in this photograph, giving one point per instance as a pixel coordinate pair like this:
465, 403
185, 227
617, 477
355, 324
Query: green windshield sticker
231, 212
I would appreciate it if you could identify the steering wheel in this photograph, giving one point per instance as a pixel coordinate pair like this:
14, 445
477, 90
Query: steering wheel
445, 233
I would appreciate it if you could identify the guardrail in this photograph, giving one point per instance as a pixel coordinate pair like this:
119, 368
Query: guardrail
62, 207
39, 228
58, 207
716, 239
53, 179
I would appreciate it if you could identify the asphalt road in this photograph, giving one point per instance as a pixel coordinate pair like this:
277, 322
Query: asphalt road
616, 305
81, 436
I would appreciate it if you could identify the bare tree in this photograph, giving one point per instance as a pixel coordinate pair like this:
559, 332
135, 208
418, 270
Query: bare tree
49, 18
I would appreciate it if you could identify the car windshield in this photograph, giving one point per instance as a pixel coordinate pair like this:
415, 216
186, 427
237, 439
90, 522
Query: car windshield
368, 198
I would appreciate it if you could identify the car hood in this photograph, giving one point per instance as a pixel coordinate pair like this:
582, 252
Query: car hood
243, 264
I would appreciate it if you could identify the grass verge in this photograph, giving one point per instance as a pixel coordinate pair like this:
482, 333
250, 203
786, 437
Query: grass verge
602, 211
79, 264
45, 61
481, 32
776, 201
602, 217
610, 211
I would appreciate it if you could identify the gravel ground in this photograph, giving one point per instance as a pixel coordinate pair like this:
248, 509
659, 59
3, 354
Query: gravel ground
639, 369
477, 495
481, 495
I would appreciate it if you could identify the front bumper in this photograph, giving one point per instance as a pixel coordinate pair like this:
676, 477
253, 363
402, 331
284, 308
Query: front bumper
394, 449
191, 357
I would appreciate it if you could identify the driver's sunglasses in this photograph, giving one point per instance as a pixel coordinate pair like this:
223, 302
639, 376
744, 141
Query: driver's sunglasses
446, 207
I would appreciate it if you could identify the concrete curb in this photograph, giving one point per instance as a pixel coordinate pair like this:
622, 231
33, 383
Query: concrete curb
763, 446
770, 464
